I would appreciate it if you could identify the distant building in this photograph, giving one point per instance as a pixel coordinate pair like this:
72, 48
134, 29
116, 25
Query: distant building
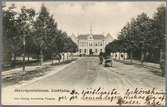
74, 38
108, 38
92, 44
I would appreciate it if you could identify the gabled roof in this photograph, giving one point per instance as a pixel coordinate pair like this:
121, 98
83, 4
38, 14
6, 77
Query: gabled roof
83, 37
109, 37
73, 36
98, 36
95, 36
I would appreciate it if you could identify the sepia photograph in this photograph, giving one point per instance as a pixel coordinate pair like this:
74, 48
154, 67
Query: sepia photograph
83, 53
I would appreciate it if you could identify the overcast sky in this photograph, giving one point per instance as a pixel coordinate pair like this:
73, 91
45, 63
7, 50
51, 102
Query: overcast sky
105, 17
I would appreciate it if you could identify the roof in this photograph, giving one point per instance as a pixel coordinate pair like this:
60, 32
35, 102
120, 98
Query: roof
83, 36
98, 36
95, 36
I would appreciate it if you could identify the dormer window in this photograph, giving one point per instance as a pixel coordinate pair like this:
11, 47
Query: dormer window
90, 37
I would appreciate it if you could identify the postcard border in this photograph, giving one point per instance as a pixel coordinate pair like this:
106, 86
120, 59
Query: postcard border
1, 50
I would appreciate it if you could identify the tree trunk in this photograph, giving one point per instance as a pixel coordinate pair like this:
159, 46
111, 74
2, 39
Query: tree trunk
14, 60
142, 57
71, 56
124, 56
131, 56
119, 56
52, 60
28, 55
24, 60
67, 56
162, 61
63, 57
41, 57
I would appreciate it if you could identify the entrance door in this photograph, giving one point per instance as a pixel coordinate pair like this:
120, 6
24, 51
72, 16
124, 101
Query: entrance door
90, 52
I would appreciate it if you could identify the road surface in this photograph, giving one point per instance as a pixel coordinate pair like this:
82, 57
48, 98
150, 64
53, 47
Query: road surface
87, 72
84, 74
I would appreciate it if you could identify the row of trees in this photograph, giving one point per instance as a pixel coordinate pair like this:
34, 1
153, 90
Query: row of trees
28, 33
143, 38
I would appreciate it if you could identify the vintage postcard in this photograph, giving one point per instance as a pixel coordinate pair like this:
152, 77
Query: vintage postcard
83, 53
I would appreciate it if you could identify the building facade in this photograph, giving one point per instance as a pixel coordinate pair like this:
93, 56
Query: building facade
92, 44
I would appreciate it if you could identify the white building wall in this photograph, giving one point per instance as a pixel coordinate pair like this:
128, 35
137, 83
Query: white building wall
95, 45
117, 55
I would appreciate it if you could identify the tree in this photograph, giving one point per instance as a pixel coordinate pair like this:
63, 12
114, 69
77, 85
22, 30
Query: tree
69, 46
159, 34
143, 38
25, 21
143, 31
40, 26
51, 43
30, 33
12, 40
113, 47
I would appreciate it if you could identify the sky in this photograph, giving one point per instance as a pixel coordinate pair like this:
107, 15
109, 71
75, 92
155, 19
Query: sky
104, 17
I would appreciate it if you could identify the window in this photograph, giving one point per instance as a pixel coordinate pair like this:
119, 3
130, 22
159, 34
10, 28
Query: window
95, 44
80, 50
84, 50
90, 44
96, 50
101, 50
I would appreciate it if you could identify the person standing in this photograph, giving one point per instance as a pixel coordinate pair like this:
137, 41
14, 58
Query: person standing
101, 57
